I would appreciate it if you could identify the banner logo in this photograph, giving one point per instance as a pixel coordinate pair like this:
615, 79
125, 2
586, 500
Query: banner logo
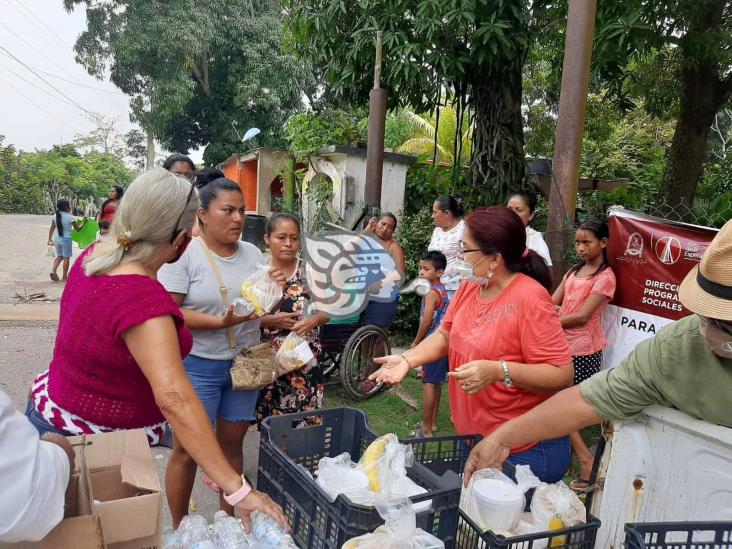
668, 249
634, 247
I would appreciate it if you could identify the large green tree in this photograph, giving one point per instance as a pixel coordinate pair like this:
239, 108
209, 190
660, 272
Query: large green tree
474, 49
677, 55
192, 68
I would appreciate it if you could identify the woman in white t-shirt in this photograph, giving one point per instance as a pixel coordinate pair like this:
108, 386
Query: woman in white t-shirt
193, 285
524, 204
447, 213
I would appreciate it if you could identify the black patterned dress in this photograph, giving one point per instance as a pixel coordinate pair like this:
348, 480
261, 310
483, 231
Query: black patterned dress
301, 390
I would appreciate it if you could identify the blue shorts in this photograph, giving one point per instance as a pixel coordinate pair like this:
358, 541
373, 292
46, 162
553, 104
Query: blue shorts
39, 422
435, 372
549, 459
380, 314
212, 383
63, 246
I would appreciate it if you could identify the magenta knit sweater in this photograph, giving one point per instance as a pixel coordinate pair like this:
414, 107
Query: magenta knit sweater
92, 374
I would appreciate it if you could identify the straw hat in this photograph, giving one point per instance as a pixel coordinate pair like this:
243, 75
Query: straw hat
707, 288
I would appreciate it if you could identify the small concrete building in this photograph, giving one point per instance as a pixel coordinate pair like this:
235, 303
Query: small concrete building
259, 174
345, 169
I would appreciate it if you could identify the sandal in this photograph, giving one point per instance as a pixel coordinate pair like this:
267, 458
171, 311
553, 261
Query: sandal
419, 433
582, 486
54, 277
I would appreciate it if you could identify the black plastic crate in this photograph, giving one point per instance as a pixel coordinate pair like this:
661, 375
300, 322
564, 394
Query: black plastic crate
678, 535
441, 454
288, 454
450, 453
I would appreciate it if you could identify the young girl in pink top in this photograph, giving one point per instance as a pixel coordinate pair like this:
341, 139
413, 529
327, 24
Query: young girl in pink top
583, 295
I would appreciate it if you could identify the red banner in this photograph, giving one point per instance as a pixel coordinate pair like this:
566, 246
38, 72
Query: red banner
650, 257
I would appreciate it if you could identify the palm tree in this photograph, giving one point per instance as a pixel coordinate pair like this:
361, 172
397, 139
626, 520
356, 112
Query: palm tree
422, 138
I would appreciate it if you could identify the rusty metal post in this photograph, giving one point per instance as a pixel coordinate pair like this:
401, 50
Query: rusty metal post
288, 180
570, 127
375, 143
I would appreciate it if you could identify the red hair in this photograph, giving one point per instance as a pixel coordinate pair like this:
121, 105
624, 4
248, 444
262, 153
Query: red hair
499, 230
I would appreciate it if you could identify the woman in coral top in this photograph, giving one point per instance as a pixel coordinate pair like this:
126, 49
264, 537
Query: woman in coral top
126, 372
583, 295
505, 346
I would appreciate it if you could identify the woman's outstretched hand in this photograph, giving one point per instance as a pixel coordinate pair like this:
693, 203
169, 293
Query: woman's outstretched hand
393, 370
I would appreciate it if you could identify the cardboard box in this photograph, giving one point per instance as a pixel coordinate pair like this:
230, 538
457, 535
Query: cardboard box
114, 499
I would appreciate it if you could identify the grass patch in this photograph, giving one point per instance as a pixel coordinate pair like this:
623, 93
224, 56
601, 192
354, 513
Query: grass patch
387, 412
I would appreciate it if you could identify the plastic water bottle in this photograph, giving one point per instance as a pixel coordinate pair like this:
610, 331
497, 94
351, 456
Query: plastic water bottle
228, 532
267, 531
242, 306
171, 540
193, 530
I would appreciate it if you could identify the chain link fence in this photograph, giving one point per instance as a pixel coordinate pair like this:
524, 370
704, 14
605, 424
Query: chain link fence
704, 212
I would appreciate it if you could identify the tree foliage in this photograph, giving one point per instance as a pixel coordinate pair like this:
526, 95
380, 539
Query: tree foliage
308, 132
437, 136
32, 182
474, 50
193, 68
677, 55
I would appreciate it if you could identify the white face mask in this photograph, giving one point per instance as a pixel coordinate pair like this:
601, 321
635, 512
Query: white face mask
466, 271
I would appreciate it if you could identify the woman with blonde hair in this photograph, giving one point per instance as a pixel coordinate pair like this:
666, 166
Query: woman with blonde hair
127, 372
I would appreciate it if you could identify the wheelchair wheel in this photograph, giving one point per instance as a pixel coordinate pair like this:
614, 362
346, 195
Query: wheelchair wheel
356, 361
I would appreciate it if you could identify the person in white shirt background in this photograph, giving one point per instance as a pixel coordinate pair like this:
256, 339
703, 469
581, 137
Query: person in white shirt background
447, 213
34, 474
524, 204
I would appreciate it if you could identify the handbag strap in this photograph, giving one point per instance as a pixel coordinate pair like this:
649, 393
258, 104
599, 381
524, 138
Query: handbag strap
222, 289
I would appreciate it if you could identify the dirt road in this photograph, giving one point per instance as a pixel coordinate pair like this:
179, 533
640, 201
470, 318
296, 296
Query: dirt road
25, 268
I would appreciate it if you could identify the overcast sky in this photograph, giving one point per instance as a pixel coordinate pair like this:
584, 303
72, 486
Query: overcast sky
34, 115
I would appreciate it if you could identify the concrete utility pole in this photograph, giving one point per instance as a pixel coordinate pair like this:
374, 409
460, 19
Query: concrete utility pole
150, 151
570, 127
375, 146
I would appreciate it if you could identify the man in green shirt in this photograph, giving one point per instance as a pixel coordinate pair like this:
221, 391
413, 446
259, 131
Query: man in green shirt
687, 365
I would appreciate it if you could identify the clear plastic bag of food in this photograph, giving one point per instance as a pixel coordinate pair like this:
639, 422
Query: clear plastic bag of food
398, 532
556, 501
385, 462
494, 501
262, 291
294, 353
339, 475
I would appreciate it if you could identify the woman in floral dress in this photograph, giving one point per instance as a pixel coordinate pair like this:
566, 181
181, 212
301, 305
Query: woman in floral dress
302, 389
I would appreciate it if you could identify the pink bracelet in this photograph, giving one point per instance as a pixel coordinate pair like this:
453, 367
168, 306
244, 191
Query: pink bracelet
240, 494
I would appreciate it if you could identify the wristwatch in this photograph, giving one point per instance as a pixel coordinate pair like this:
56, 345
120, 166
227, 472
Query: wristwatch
240, 494
506, 374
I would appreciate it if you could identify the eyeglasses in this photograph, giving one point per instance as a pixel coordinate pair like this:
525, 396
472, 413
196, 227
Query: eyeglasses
185, 207
463, 250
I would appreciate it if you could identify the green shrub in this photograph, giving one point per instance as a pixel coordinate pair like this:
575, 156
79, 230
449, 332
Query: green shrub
413, 234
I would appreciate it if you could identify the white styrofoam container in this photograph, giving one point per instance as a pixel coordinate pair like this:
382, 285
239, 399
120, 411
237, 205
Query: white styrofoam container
664, 466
